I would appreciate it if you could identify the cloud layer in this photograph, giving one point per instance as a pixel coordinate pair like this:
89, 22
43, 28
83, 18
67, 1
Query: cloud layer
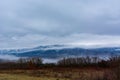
74, 40
27, 23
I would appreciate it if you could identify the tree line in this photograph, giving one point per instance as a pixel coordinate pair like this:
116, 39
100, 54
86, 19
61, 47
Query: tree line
37, 62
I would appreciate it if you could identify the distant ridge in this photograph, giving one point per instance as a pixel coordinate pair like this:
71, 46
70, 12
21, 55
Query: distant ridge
60, 51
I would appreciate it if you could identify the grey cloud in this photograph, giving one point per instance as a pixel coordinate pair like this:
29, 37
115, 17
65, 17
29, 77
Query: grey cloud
56, 18
74, 40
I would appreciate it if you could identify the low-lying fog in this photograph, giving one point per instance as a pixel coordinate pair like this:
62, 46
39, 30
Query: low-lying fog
14, 58
45, 60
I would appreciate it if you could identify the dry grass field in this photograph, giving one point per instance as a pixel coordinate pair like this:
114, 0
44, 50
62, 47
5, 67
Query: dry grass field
67, 69
53, 74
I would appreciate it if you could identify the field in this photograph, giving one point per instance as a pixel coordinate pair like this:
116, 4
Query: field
53, 74
66, 69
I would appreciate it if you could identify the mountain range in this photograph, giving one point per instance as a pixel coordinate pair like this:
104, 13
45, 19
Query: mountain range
61, 51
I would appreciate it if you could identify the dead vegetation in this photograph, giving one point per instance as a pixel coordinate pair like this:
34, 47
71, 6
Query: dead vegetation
67, 69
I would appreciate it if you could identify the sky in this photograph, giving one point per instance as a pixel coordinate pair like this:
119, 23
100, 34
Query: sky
84, 23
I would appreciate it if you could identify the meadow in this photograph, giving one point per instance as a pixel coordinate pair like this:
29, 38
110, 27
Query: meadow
101, 70
52, 74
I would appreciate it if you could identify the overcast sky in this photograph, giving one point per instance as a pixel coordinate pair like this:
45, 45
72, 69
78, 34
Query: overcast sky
30, 23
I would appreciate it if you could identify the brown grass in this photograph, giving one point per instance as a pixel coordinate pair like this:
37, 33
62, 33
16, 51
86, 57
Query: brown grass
54, 74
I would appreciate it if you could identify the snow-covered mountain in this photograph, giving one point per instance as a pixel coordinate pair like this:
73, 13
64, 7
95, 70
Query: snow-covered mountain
60, 51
